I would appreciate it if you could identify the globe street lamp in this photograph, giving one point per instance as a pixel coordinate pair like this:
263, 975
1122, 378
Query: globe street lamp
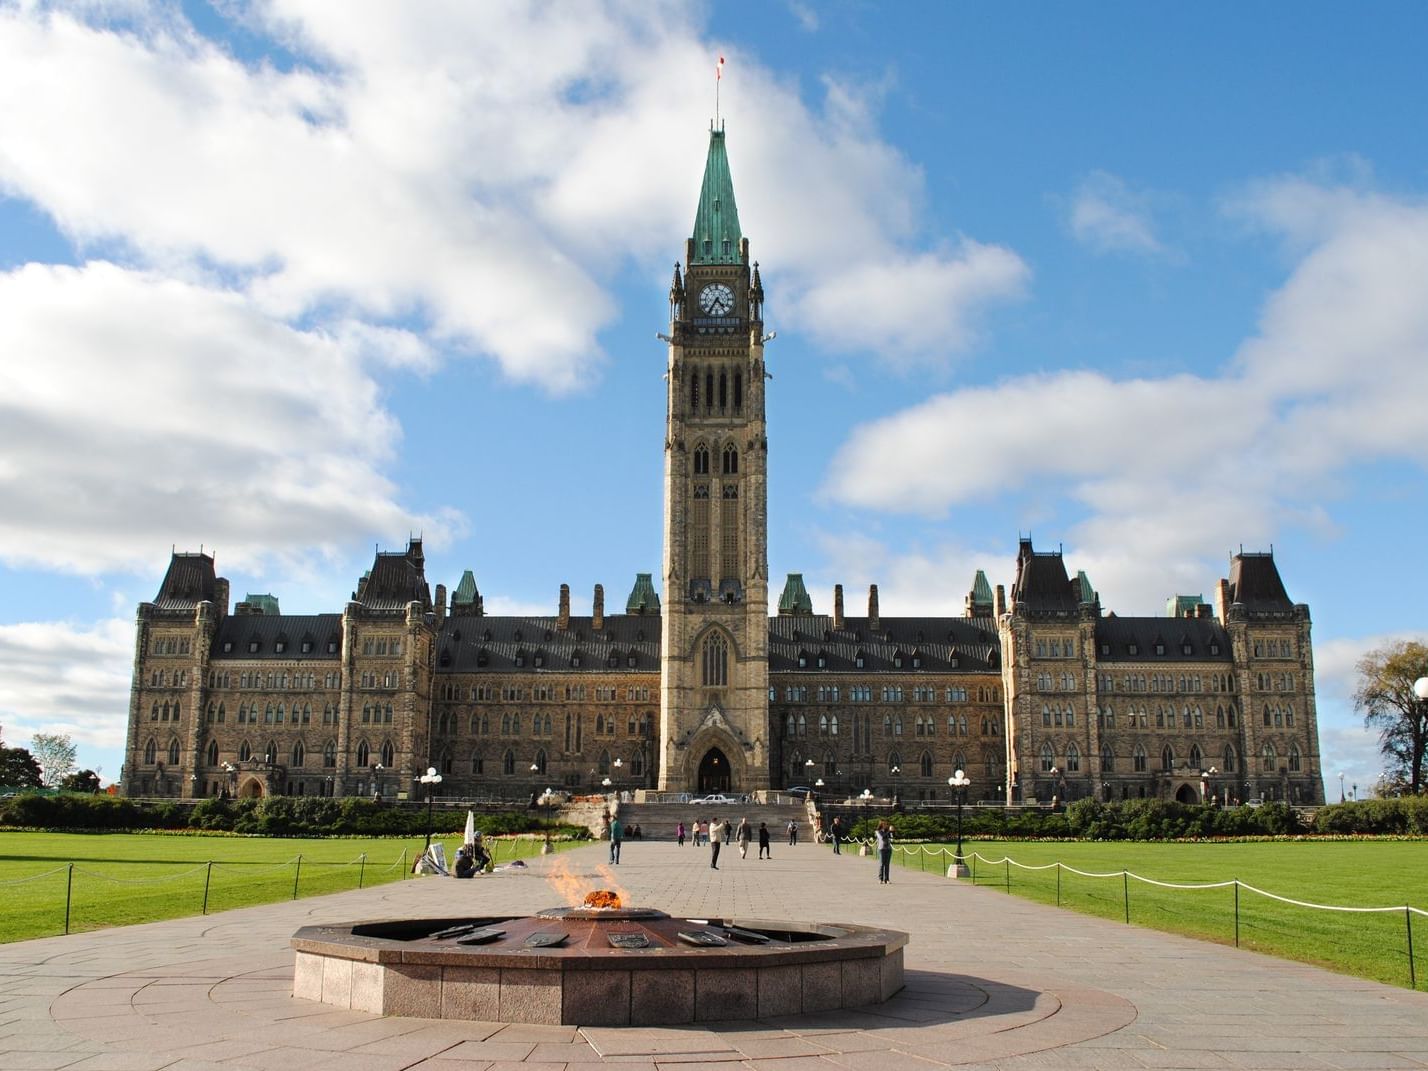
547, 804
1342, 797
958, 783
430, 779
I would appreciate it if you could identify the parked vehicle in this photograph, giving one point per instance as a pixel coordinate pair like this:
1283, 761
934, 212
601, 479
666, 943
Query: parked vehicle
716, 798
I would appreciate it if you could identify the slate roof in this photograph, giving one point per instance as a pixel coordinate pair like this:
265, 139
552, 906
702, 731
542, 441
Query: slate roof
493, 645
981, 591
717, 219
936, 640
1041, 582
395, 579
266, 630
189, 581
643, 599
1145, 632
1255, 583
795, 598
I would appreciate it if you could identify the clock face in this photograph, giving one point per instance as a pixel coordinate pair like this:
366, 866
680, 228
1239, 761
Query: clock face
717, 299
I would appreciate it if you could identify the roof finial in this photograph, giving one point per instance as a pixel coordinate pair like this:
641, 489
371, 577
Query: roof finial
718, 77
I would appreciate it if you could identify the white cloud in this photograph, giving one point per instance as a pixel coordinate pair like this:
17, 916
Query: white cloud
138, 411
1105, 214
65, 678
1184, 468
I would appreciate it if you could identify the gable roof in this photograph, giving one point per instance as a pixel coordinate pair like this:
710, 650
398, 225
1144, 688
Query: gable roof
190, 580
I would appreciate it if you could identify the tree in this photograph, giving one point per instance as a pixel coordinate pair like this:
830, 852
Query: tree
55, 754
84, 781
1386, 699
18, 768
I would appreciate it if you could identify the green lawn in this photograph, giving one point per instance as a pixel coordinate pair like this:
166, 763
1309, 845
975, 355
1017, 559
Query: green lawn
124, 878
1340, 873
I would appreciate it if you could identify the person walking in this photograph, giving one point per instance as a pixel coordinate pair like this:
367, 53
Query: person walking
884, 839
714, 843
836, 832
764, 852
679, 833
617, 835
743, 835
792, 832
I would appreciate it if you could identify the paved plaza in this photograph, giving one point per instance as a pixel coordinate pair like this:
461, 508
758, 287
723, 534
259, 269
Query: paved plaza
992, 982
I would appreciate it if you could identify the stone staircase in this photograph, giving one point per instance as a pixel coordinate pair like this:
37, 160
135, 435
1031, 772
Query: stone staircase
657, 820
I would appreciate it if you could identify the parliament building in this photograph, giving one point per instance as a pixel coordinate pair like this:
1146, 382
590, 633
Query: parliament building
1033, 689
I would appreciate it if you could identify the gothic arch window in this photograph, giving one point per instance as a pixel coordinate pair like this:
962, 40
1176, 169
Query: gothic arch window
802, 725
1268, 757
1139, 759
599, 724
694, 389
709, 388
894, 762
539, 762
731, 460
716, 661
1167, 758
270, 753
925, 764
508, 762
329, 754
723, 389
1073, 759
151, 753
701, 460
212, 755
833, 724
1197, 759
1293, 757
959, 762
602, 765
364, 753
245, 751
443, 761
897, 725
1229, 759
738, 391
830, 765
387, 754
790, 726
299, 754
478, 763
1108, 759
173, 751
823, 724
1048, 757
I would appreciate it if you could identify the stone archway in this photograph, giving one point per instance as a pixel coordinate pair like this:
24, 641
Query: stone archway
251, 789
714, 773
1187, 794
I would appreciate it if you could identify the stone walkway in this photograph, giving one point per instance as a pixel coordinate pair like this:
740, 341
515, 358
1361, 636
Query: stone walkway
993, 982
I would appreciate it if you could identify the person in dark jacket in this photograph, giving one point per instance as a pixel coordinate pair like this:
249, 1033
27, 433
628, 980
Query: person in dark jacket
764, 852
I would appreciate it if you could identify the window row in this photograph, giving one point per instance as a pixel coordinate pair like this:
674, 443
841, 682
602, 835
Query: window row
273, 680
280, 646
1164, 683
1160, 648
165, 711
827, 766
168, 678
796, 725
1273, 648
714, 392
863, 693
381, 646
1274, 682
1164, 717
171, 645
1069, 760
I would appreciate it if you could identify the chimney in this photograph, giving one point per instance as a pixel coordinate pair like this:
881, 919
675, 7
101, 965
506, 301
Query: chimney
1222, 599
837, 607
1203, 610
563, 621
1001, 599
597, 613
874, 623
440, 603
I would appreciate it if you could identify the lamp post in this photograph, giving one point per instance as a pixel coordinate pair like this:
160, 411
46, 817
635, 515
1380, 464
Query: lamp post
547, 804
430, 779
817, 788
1420, 690
1342, 797
231, 778
958, 783
377, 783
1053, 771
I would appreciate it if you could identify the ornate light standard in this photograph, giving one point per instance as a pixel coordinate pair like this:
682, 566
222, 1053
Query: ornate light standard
430, 779
1342, 797
958, 783
1205, 778
547, 804
232, 779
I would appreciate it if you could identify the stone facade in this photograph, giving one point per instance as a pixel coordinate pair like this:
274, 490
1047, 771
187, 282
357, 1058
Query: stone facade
1036, 694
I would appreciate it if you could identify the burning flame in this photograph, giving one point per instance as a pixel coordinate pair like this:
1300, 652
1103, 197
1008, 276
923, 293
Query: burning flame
602, 898
573, 888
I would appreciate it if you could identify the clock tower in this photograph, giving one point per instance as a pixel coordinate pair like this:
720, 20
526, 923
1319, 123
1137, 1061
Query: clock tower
714, 700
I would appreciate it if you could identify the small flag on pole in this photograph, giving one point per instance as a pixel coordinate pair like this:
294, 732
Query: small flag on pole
719, 69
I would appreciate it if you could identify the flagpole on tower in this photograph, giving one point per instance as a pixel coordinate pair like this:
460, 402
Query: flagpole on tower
718, 77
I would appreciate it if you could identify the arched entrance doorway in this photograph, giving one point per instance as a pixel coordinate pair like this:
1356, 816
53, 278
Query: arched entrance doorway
251, 789
1186, 794
714, 773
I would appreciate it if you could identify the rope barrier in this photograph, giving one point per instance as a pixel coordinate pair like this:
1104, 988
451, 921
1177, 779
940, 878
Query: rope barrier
34, 877
139, 881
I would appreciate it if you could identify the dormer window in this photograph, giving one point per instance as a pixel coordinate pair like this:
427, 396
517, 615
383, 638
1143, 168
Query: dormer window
1132, 648
916, 660
632, 660
859, 660
822, 660
227, 646
802, 660
1214, 648
1186, 649
708, 246
517, 636
520, 658
280, 646
252, 646
482, 657
1105, 648
331, 646
306, 646
1159, 649
575, 660
486, 636
897, 660
726, 247
539, 659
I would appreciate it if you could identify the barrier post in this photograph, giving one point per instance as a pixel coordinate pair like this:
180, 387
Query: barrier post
1058, 884
68, 895
297, 873
361, 869
1237, 912
1007, 861
922, 859
1412, 973
207, 877
974, 868
1125, 883
404, 864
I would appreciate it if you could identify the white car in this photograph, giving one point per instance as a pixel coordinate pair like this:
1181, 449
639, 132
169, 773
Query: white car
716, 798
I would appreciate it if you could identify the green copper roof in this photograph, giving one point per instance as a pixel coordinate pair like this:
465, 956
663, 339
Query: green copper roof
1083, 586
1180, 605
465, 591
794, 599
981, 590
716, 224
643, 599
264, 604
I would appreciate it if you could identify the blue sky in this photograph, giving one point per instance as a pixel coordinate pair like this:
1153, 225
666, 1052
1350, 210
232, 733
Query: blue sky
294, 280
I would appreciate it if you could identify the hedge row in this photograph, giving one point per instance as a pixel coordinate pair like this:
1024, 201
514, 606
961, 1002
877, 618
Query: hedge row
296, 816
1090, 819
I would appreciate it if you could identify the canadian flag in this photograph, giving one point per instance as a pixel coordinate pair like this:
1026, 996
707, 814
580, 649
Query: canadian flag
719, 69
